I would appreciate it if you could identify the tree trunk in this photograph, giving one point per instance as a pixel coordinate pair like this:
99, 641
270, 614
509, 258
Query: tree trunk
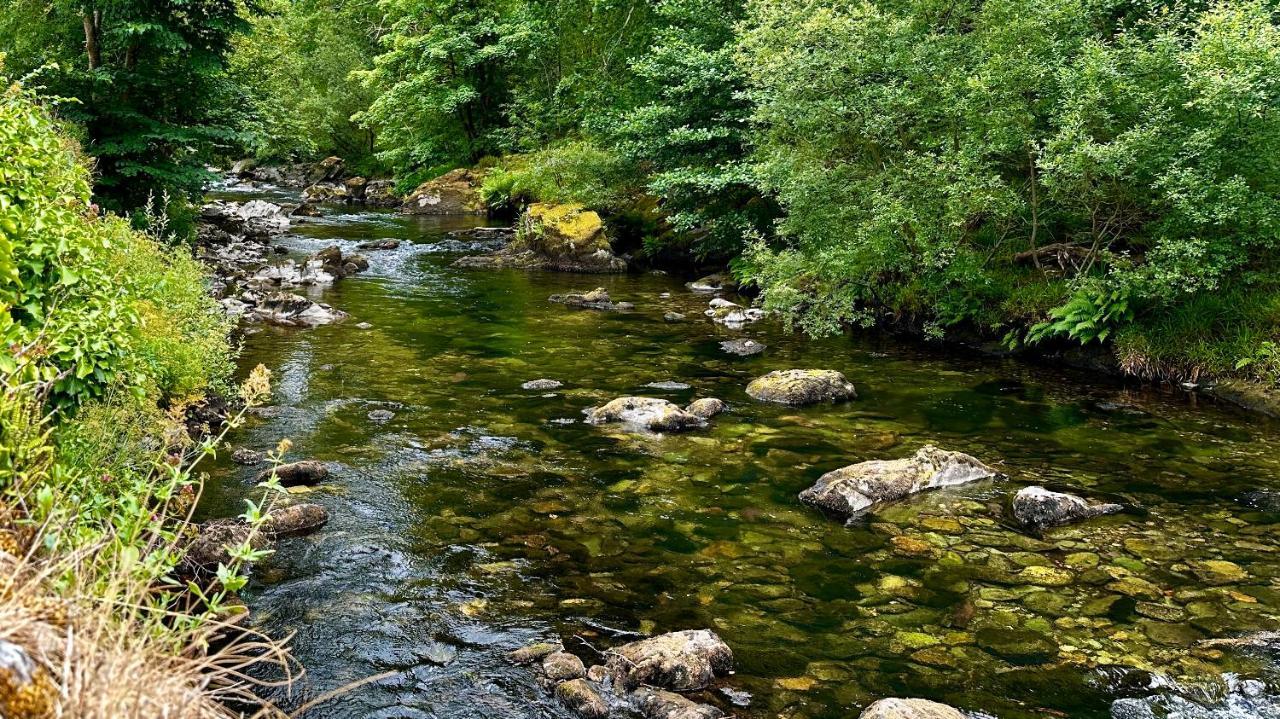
92, 19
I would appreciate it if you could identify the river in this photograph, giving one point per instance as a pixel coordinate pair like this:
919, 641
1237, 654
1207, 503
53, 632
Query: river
483, 516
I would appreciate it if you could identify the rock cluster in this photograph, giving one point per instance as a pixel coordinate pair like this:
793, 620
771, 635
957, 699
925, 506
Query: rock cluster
648, 677
597, 299
656, 415
209, 547
732, 315
233, 240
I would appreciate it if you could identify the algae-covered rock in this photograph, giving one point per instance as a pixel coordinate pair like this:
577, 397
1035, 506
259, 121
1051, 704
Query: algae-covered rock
456, 192
534, 652
895, 708
295, 519
1038, 508
801, 386
681, 661
1219, 572
655, 415
563, 666
849, 490
597, 299
578, 696
1016, 645
558, 237
706, 408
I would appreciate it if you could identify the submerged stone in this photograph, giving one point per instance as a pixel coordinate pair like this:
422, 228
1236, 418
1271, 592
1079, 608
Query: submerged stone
849, 490
1017, 646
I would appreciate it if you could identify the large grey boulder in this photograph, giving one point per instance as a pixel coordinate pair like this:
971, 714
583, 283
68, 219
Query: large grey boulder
255, 219
910, 709
655, 415
1039, 508
679, 661
801, 386
849, 490
456, 192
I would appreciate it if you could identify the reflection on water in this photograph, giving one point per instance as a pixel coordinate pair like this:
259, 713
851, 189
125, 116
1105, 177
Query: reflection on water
484, 516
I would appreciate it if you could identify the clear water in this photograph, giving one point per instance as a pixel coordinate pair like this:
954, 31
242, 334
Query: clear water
483, 517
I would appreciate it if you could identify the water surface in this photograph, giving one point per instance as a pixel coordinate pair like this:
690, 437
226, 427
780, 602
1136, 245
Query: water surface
483, 516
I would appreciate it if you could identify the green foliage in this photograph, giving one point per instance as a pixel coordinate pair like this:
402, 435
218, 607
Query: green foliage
146, 82
296, 65
916, 152
574, 171
86, 303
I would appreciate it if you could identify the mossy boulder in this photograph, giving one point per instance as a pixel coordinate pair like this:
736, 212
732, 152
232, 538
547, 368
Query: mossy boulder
456, 192
895, 708
801, 386
680, 661
655, 415
568, 236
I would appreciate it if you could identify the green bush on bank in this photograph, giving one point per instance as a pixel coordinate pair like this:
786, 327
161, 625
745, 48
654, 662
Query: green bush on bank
87, 303
917, 153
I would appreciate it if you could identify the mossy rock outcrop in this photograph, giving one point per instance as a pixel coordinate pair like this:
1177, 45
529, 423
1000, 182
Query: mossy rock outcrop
559, 237
456, 192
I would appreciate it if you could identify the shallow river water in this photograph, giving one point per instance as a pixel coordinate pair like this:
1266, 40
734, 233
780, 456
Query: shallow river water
483, 517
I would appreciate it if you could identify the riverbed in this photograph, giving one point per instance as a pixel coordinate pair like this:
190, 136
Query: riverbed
483, 516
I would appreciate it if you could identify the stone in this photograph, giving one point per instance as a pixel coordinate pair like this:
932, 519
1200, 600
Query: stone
912, 546
801, 387
244, 455
743, 347
706, 408
534, 652
1038, 508
1045, 576
290, 310
379, 245
659, 704
306, 472
1218, 572
681, 661
732, 315
456, 192
716, 282
209, 547
895, 708
1016, 645
327, 170
673, 317
306, 209
1135, 587
255, 219
381, 415
295, 519
597, 299
655, 415
578, 696
542, 384
852, 489
563, 666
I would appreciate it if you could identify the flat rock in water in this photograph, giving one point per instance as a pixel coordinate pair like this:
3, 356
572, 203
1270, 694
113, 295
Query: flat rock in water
801, 386
679, 661
668, 385
379, 245
732, 315
534, 652
542, 384
655, 415
713, 283
597, 299
381, 415
849, 490
659, 704
1039, 508
743, 347
290, 310
244, 455
910, 709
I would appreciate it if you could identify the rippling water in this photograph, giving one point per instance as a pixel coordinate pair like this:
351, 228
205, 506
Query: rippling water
484, 516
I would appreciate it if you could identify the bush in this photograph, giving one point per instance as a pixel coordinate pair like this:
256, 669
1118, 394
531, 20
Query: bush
86, 302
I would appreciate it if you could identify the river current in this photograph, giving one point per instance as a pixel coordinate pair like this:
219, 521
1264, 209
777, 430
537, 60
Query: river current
483, 516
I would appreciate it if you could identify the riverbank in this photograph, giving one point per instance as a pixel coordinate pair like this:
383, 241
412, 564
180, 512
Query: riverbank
471, 515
